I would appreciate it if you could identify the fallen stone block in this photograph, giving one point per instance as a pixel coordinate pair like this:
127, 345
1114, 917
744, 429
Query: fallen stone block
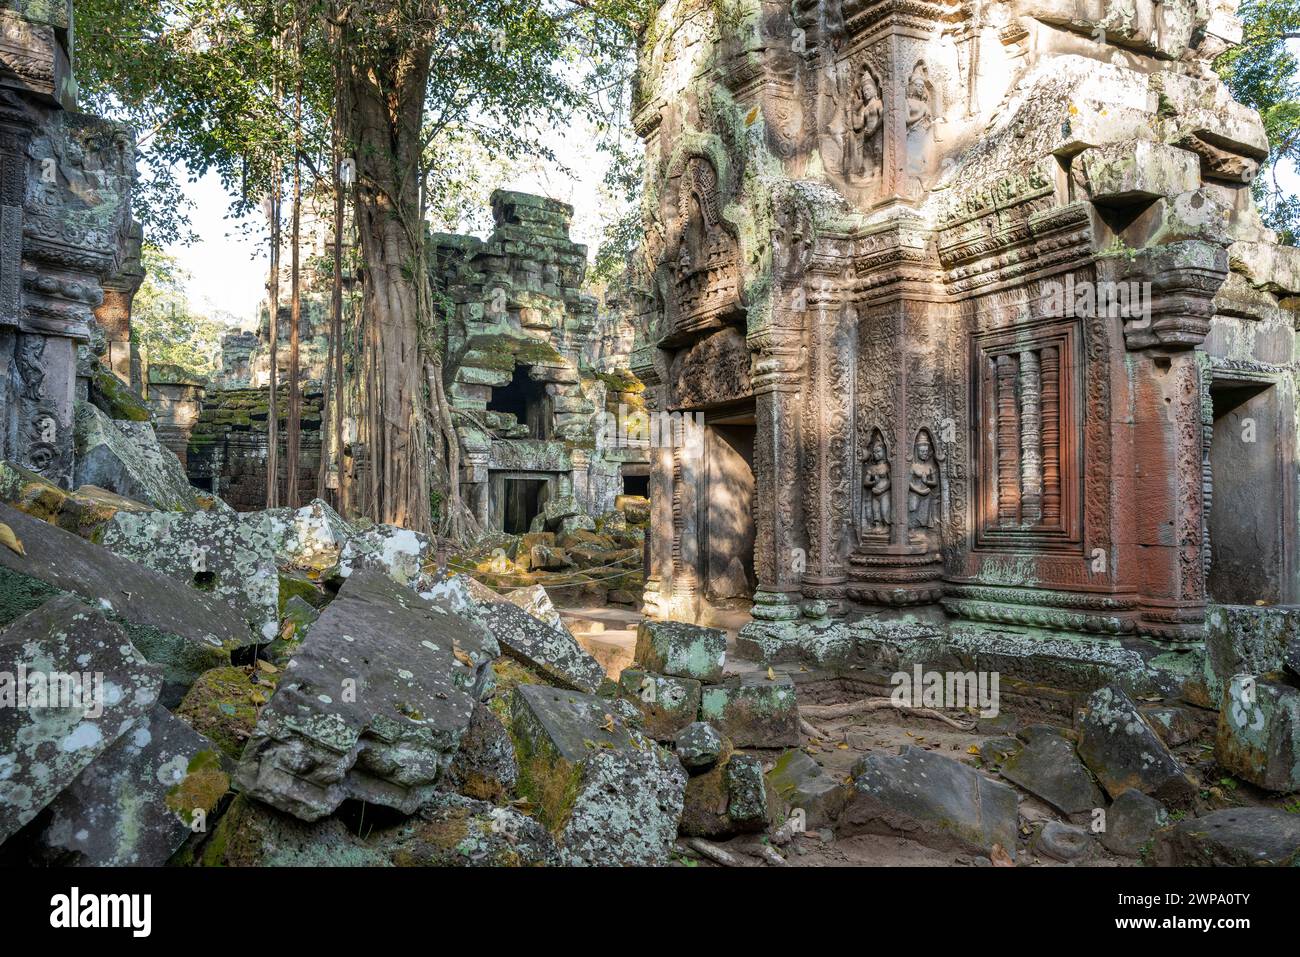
450, 830
400, 553
609, 794
753, 711
71, 684
181, 629
82, 512
222, 553
537, 603
811, 794
1131, 823
699, 746
731, 798
1232, 837
372, 706
555, 654
484, 767
1246, 640
1123, 751
681, 650
1259, 733
1063, 842
310, 539
139, 801
1048, 768
667, 704
1176, 726
126, 458
931, 799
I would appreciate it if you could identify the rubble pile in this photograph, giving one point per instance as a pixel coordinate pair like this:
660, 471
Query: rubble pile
242, 688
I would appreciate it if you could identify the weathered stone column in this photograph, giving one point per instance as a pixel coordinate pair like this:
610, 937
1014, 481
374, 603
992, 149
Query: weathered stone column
778, 562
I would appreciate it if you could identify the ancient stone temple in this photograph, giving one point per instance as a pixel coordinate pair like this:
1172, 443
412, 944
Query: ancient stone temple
66, 237
538, 412
973, 313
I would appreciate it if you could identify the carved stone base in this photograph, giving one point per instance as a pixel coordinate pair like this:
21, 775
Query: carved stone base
896, 580
775, 606
1091, 614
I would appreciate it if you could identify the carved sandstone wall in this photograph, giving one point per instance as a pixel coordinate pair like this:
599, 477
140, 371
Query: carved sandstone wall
987, 283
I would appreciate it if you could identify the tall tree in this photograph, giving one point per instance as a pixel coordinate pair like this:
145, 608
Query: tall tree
1262, 74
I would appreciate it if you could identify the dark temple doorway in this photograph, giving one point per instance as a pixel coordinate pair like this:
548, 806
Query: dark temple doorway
526, 400
727, 507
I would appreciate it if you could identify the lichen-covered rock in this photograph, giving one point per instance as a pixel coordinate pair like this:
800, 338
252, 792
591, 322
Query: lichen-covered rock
1232, 837
609, 794
125, 457
71, 684
222, 705
226, 554
139, 801
1131, 823
251, 834
537, 603
668, 704
450, 830
808, 790
400, 553
372, 706
1259, 733
556, 654
179, 628
82, 512
699, 746
753, 711
484, 766
730, 798
681, 649
310, 539
1246, 640
1123, 751
931, 799
1048, 768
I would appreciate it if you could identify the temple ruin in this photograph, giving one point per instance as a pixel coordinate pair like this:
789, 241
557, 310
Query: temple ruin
69, 252
977, 316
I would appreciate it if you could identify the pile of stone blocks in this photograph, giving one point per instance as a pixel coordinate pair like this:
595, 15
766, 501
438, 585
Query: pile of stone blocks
677, 683
678, 679
1253, 666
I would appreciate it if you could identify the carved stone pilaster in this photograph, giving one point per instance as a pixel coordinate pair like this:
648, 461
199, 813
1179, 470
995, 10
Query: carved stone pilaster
778, 560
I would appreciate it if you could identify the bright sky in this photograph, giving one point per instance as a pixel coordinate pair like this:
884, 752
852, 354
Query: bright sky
228, 266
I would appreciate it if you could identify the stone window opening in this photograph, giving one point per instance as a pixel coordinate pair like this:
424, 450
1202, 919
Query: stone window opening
525, 399
636, 485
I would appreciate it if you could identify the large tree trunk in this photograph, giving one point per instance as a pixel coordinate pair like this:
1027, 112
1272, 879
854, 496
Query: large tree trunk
273, 405
384, 107
293, 422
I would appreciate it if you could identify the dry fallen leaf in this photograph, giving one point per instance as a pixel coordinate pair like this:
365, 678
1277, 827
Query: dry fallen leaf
972, 750
266, 666
771, 675
9, 539
1000, 857
609, 723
